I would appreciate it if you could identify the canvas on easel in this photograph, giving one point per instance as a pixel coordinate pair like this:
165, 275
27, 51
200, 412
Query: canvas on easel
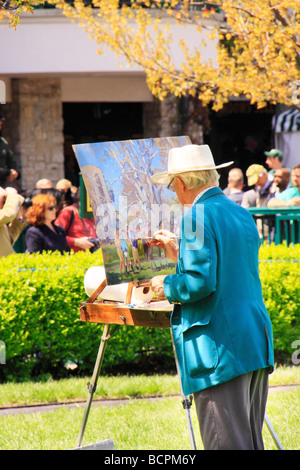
127, 207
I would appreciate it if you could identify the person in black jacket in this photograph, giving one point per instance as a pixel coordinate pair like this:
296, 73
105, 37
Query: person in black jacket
8, 166
44, 235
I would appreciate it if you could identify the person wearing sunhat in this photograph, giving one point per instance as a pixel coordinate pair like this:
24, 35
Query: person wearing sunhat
221, 328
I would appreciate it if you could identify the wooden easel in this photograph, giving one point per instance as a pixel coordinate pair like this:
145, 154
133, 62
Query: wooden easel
112, 313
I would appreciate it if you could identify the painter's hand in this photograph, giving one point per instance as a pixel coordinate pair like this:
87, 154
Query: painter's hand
166, 240
157, 286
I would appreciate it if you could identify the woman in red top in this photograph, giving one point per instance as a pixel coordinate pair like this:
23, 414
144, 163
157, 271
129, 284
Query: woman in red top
78, 231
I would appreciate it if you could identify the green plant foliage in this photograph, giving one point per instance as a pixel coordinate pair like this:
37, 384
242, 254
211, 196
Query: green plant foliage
40, 323
42, 331
280, 278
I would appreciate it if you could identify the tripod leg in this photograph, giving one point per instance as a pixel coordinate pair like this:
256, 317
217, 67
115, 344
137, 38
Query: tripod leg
186, 402
93, 384
273, 433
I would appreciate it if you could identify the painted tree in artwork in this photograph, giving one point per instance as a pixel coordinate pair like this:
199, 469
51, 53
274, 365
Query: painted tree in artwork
258, 45
117, 177
133, 163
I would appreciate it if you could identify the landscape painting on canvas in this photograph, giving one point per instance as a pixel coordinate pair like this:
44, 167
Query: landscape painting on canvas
127, 207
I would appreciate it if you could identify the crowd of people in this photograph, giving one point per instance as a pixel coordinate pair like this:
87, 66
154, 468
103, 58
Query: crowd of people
49, 217
271, 185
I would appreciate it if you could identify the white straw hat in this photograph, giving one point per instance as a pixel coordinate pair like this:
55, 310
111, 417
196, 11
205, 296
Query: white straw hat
187, 158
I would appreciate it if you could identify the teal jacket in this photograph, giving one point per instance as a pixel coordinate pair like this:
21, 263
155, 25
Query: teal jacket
220, 325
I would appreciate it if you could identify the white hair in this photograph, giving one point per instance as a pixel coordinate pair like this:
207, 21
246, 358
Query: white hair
194, 179
235, 177
43, 183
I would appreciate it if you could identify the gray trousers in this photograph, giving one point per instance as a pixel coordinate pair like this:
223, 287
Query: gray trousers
231, 415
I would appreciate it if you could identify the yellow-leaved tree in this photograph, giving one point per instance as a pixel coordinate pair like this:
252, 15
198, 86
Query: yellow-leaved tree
258, 45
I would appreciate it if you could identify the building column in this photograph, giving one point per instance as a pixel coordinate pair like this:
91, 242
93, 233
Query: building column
36, 129
173, 117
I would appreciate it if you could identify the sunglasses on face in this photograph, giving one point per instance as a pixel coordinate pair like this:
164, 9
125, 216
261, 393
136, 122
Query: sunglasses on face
169, 187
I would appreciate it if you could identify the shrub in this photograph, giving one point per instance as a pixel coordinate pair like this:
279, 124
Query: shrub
279, 273
42, 331
40, 324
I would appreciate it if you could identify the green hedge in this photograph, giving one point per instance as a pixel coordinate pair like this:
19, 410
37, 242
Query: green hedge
40, 324
42, 331
280, 278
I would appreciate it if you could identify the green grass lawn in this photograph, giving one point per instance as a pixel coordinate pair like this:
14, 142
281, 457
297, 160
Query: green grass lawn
135, 425
75, 389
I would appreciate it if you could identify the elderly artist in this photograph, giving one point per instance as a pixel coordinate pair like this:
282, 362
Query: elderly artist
222, 331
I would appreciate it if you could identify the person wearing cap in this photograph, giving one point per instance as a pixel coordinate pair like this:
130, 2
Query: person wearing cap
221, 328
9, 171
63, 185
258, 196
291, 196
274, 160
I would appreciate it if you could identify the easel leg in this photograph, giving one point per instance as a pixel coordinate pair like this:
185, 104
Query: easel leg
186, 402
273, 433
93, 384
